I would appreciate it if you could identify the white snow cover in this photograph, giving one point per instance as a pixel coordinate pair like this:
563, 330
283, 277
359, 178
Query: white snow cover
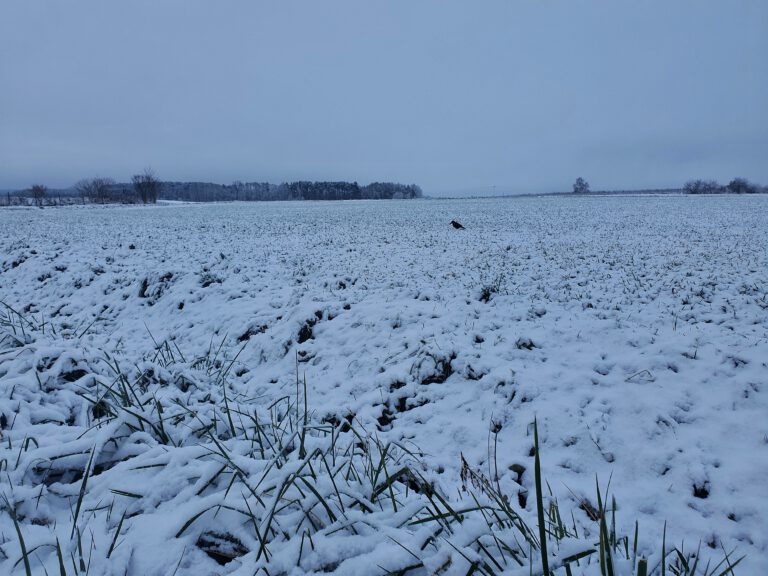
635, 329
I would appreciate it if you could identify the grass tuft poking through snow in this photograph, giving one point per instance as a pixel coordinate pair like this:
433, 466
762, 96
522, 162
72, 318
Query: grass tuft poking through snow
161, 467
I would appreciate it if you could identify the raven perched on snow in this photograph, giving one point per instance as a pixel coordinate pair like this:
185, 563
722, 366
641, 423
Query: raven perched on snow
457, 225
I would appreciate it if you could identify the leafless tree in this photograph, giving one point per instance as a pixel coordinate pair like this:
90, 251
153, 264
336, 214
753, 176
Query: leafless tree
38, 193
95, 189
702, 187
147, 186
83, 188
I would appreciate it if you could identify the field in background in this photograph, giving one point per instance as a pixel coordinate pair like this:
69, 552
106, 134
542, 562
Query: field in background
143, 349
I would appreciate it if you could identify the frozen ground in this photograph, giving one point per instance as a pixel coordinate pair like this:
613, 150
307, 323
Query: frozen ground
634, 329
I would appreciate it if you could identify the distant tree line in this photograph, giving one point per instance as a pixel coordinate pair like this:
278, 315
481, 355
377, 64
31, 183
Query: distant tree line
146, 188
301, 190
735, 186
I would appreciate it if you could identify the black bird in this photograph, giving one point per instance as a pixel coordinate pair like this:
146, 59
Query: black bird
457, 225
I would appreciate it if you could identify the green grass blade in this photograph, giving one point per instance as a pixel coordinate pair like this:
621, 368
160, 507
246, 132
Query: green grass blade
540, 500
81, 495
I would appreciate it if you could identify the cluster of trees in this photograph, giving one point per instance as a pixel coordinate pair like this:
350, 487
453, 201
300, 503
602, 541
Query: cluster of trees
347, 191
144, 188
581, 186
39, 193
209, 192
735, 186
35, 195
379, 190
97, 190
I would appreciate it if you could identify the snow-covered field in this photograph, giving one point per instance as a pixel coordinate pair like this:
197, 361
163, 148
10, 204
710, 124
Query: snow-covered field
149, 349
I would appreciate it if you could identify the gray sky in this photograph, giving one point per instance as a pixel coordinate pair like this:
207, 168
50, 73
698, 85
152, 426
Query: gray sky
456, 96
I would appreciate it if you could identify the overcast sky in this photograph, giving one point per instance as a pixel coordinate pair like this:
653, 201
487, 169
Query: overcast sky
460, 97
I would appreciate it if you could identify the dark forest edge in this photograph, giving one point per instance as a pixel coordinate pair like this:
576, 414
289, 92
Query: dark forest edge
146, 188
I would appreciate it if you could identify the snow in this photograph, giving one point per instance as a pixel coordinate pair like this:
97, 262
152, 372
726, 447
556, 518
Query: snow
634, 329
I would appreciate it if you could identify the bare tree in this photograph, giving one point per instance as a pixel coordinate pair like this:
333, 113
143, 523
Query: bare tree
38, 193
702, 187
147, 186
83, 188
95, 189
581, 186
